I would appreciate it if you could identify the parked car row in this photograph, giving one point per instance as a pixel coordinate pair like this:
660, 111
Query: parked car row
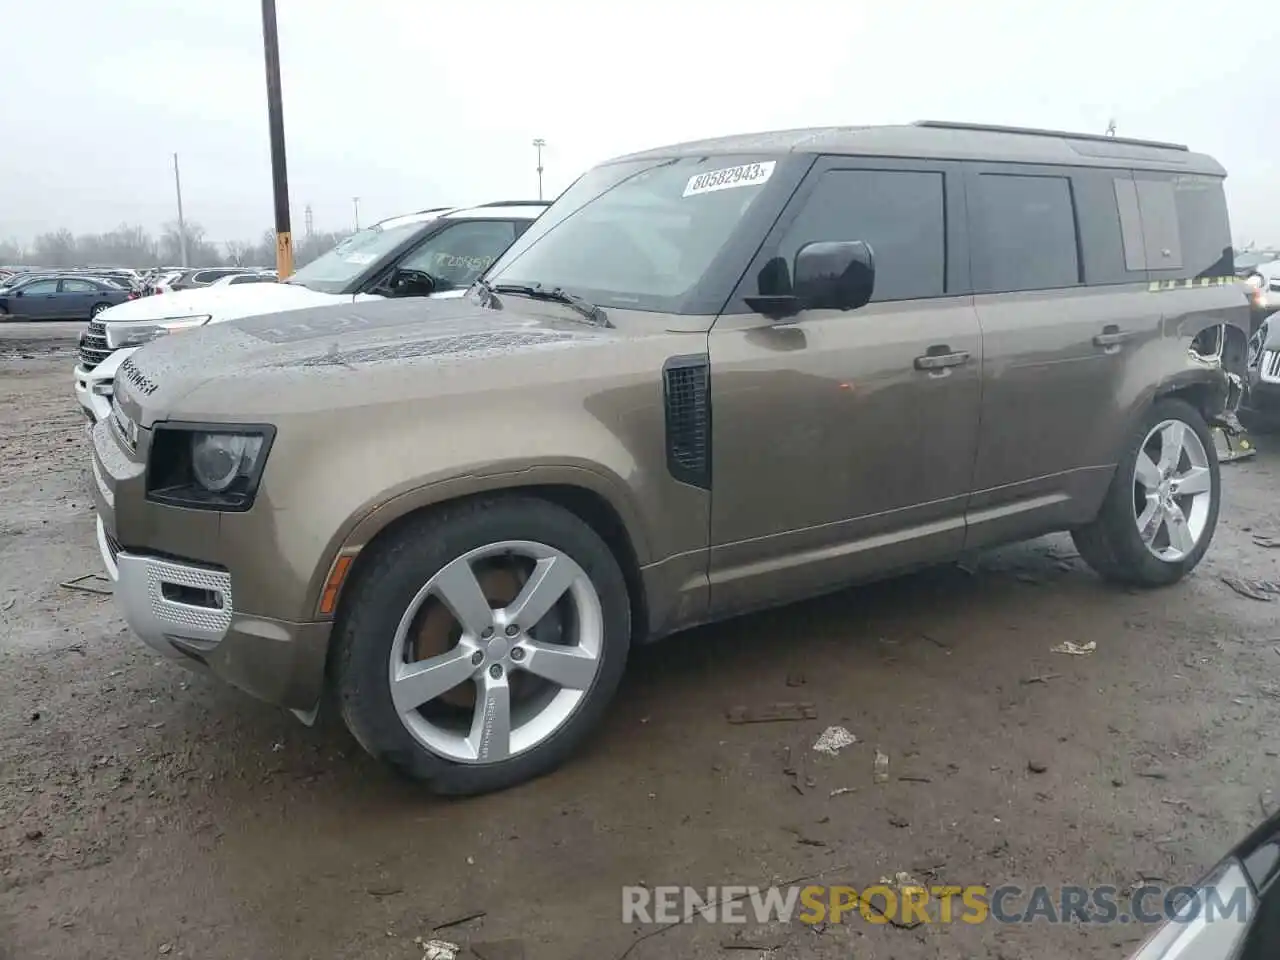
172, 281
61, 296
453, 486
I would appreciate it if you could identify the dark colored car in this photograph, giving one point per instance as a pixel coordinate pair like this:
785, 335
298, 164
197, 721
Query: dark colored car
62, 298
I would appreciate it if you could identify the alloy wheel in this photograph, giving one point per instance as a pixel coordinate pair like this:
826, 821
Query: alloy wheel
528, 660
1172, 490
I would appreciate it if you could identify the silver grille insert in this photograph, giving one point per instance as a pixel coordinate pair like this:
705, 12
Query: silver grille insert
1269, 367
184, 617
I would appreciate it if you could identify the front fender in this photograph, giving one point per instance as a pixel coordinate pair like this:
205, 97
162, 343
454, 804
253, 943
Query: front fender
378, 514
334, 481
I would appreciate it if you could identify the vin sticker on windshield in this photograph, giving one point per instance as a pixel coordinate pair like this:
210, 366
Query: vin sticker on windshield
747, 175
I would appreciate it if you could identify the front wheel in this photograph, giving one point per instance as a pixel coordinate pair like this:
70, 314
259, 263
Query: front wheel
1162, 507
480, 644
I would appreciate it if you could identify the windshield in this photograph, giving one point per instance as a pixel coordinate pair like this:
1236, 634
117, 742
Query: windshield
638, 234
334, 271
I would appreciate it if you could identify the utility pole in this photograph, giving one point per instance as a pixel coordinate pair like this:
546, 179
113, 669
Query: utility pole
310, 225
355, 205
275, 119
182, 223
538, 144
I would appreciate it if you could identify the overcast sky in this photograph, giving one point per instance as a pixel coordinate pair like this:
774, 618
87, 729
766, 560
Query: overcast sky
410, 103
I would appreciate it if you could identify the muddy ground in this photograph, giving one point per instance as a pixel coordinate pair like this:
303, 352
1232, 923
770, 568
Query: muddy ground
145, 811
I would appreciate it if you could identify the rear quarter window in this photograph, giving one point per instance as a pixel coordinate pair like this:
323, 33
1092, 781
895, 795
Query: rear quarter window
1175, 226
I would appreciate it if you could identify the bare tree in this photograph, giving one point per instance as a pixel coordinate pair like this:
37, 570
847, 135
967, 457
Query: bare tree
11, 252
237, 252
201, 252
133, 246
57, 249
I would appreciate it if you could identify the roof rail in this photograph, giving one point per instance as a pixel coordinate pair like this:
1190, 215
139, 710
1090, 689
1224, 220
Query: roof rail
1034, 132
428, 210
514, 203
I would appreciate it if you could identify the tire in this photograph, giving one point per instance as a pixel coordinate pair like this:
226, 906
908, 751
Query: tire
377, 626
1113, 544
5, 315
97, 308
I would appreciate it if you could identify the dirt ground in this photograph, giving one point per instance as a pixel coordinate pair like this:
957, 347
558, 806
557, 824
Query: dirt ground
146, 811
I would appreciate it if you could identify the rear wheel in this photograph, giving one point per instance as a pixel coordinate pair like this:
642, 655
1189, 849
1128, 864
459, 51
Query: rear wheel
1162, 508
5, 315
482, 643
97, 309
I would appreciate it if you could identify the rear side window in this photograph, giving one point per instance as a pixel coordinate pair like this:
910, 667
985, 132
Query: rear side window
1175, 226
1025, 233
900, 214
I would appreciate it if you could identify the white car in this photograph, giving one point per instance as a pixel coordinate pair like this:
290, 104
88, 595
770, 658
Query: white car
437, 252
236, 279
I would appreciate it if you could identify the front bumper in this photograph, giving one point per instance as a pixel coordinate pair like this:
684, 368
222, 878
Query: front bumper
94, 387
186, 613
185, 609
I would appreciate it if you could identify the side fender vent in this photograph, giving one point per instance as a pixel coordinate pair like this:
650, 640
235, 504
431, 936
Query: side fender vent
686, 388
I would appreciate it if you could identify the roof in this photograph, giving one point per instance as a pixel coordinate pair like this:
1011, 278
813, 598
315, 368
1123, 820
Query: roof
505, 210
938, 140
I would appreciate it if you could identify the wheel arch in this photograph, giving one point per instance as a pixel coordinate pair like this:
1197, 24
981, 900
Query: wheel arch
1206, 391
588, 495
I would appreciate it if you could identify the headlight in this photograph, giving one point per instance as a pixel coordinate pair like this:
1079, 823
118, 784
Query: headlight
1211, 924
207, 466
136, 333
220, 459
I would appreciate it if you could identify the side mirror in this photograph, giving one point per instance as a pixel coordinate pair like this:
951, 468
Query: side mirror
835, 275
19, 293
827, 275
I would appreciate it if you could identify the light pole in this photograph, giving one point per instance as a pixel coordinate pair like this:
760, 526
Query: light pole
355, 204
275, 119
182, 223
538, 144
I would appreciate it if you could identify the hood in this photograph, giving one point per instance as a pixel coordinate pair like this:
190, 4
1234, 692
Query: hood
310, 358
221, 303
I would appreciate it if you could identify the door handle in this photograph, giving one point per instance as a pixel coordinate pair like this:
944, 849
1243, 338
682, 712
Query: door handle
939, 358
1111, 336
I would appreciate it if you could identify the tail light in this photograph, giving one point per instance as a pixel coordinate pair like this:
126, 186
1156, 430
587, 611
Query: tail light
132, 295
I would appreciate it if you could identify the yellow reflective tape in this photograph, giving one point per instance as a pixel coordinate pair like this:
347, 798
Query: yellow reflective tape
1155, 286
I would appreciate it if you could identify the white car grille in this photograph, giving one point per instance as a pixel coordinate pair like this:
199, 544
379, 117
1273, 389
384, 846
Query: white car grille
1269, 366
93, 345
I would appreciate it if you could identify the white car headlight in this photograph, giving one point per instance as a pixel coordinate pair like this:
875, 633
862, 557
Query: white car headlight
136, 333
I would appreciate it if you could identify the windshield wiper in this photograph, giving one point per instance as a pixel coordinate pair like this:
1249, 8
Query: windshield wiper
537, 291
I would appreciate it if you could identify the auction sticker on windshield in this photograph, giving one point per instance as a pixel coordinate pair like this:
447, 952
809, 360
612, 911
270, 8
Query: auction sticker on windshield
747, 175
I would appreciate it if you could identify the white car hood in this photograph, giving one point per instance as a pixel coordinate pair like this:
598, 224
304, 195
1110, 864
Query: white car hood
223, 303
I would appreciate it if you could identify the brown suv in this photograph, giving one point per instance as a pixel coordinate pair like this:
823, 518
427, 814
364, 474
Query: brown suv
712, 377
